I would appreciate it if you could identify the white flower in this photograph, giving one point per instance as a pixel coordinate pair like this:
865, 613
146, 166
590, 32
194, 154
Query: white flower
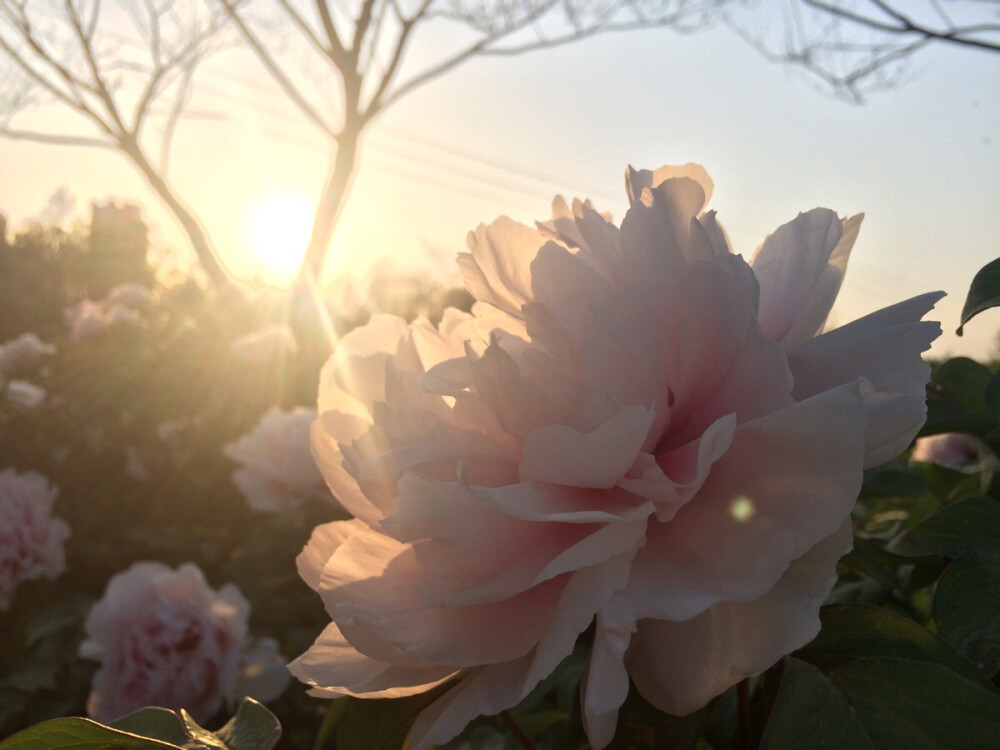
278, 472
24, 394
32, 540
128, 294
119, 306
23, 353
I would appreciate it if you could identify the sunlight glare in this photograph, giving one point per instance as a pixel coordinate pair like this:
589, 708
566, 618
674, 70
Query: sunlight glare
277, 232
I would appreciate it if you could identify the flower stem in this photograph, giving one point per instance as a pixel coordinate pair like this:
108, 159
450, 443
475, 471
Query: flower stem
515, 729
743, 715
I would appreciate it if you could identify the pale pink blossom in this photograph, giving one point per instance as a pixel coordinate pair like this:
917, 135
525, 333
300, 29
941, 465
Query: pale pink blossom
86, 319
278, 472
119, 306
128, 294
954, 450
32, 540
634, 430
23, 353
23, 394
165, 638
264, 345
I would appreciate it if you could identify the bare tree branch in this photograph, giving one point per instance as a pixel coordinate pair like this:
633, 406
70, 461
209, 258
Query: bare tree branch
858, 46
366, 47
75, 59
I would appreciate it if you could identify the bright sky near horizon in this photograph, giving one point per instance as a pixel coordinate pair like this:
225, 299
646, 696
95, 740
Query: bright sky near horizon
503, 136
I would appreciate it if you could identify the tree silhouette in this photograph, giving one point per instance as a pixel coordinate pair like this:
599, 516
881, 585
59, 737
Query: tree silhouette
859, 46
116, 67
358, 50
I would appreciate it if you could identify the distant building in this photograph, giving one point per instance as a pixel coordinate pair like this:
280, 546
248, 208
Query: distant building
118, 246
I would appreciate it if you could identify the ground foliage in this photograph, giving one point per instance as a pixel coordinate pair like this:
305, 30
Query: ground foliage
909, 653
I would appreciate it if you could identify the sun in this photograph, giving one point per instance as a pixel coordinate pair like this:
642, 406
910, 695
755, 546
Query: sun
277, 232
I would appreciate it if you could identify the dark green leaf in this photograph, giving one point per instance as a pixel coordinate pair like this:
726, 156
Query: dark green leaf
811, 712
35, 677
880, 702
968, 527
892, 479
967, 610
984, 293
157, 723
252, 728
858, 631
380, 724
201, 738
964, 381
79, 734
641, 726
992, 395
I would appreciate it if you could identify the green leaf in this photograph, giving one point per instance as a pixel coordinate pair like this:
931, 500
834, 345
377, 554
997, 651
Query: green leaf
967, 527
201, 738
383, 723
35, 677
641, 726
964, 381
967, 610
252, 728
984, 293
857, 631
811, 712
157, 723
878, 702
79, 734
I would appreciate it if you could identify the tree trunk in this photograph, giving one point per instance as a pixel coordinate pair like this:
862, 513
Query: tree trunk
331, 202
196, 235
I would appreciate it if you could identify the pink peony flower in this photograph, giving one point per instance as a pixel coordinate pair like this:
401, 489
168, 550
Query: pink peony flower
635, 429
165, 638
32, 540
23, 353
23, 394
129, 295
278, 472
953, 450
88, 319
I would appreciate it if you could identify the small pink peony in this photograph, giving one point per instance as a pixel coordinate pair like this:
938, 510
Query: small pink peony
88, 318
635, 429
278, 472
954, 450
165, 638
31, 540
23, 394
23, 353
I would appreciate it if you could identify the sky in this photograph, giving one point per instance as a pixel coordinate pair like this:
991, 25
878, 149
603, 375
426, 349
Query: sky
505, 135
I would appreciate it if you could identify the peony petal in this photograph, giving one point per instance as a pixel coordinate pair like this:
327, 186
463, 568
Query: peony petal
637, 180
800, 268
677, 475
680, 666
323, 542
484, 691
884, 348
336, 667
561, 455
326, 450
787, 481
605, 682
497, 269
